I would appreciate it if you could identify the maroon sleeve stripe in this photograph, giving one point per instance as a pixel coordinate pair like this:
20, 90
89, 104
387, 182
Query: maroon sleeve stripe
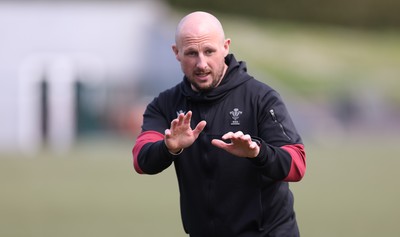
298, 166
142, 139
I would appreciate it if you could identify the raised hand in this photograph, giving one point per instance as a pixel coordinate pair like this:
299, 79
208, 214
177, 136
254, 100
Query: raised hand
241, 145
180, 135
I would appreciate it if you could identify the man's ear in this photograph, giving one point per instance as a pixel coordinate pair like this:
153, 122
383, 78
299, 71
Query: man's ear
176, 52
226, 46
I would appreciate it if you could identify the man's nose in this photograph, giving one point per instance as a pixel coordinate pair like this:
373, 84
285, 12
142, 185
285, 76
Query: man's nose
201, 62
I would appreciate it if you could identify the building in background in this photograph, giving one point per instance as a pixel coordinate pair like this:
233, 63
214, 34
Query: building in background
70, 68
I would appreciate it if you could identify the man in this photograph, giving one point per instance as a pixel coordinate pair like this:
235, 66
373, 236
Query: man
230, 137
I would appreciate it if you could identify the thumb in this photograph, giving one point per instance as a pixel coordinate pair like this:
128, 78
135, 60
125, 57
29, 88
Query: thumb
199, 128
219, 143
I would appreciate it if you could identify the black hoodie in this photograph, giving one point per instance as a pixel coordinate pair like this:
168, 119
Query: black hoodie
221, 194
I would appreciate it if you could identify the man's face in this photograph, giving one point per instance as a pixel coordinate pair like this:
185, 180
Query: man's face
202, 59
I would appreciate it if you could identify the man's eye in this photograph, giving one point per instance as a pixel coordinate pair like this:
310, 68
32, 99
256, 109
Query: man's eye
209, 52
191, 53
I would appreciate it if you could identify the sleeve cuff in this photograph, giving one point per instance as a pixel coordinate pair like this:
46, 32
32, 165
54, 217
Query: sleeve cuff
261, 158
175, 154
169, 154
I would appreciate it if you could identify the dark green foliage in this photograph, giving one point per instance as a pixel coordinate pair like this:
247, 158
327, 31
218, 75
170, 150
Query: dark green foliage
360, 13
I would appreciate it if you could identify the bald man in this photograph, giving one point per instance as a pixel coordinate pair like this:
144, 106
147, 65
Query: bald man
231, 140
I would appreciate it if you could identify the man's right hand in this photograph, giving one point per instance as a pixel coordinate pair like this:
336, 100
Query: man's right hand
181, 135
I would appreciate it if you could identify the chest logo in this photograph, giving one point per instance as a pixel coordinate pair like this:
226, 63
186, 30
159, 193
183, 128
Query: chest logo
235, 114
180, 112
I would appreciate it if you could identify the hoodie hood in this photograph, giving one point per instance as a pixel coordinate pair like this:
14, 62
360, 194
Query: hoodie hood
235, 75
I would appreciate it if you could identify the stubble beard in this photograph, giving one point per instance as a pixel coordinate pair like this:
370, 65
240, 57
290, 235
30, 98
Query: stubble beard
216, 79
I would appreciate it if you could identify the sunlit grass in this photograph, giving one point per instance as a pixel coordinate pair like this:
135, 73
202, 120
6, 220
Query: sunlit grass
91, 191
350, 189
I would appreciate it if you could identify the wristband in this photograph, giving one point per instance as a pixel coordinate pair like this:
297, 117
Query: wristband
175, 154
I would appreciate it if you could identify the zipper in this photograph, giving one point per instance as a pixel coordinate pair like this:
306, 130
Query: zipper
272, 112
261, 218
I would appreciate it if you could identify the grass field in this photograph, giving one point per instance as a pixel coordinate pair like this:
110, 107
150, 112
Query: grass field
350, 189
91, 191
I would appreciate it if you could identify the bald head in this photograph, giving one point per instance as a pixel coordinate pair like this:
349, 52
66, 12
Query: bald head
198, 23
201, 48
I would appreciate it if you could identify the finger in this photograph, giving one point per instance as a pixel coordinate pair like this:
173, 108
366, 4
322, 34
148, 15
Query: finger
238, 134
180, 119
246, 138
253, 145
219, 143
167, 132
174, 124
228, 135
187, 117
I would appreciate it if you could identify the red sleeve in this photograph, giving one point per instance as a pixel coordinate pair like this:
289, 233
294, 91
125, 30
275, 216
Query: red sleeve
144, 138
298, 166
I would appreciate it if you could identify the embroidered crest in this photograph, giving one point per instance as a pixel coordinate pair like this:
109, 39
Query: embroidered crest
180, 112
235, 114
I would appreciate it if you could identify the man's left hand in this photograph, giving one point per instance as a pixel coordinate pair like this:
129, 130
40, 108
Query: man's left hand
241, 144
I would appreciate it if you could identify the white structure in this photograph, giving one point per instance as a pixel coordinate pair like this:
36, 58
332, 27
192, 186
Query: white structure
57, 42
60, 75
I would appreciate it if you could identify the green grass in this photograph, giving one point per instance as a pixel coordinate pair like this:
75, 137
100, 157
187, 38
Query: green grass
91, 191
350, 189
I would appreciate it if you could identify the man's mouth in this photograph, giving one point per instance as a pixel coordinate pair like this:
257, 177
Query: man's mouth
202, 74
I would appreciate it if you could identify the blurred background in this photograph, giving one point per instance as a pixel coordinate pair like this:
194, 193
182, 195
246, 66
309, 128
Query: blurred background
76, 75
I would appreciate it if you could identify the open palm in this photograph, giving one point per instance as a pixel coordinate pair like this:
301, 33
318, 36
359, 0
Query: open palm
180, 135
